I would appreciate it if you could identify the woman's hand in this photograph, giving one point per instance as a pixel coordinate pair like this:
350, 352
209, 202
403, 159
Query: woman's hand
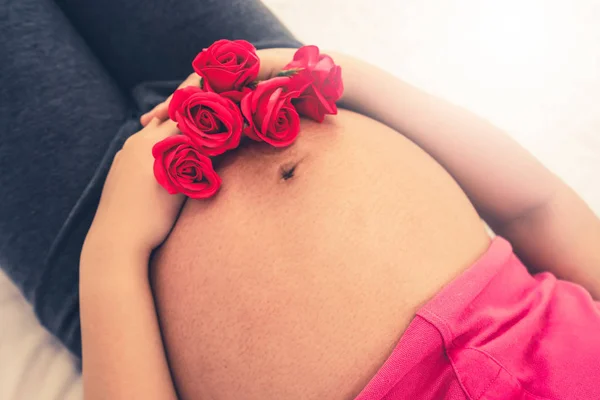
161, 111
135, 213
123, 355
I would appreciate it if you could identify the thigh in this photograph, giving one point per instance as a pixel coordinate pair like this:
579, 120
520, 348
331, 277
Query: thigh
146, 40
60, 113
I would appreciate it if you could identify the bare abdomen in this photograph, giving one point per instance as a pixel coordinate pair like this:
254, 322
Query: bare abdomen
299, 285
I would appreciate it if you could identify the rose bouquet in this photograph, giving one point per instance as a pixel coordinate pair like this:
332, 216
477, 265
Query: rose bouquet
230, 103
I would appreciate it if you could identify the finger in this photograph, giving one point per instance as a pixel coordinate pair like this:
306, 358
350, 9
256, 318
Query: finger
272, 61
153, 122
157, 130
168, 128
161, 111
145, 118
154, 132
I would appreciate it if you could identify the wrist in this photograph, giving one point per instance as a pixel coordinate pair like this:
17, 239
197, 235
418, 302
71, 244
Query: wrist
113, 260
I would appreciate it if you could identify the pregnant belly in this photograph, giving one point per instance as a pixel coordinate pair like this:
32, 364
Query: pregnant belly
299, 277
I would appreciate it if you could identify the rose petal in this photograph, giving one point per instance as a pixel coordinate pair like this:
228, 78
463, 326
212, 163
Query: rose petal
236, 95
168, 143
179, 97
323, 101
310, 107
220, 80
271, 103
246, 45
161, 176
208, 187
325, 63
165, 152
246, 108
228, 59
284, 139
206, 121
305, 57
299, 83
214, 123
238, 58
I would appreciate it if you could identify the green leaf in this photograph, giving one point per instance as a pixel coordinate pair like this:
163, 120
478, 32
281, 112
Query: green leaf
289, 72
201, 83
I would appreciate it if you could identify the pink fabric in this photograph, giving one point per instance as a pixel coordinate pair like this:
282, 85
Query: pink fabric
496, 332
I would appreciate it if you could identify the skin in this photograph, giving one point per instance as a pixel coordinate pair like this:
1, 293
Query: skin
123, 354
300, 288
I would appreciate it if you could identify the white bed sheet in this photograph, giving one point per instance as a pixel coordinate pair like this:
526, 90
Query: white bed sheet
530, 66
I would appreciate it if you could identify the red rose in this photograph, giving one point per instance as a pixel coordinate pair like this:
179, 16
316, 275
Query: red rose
236, 95
212, 121
227, 65
180, 168
270, 114
318, 98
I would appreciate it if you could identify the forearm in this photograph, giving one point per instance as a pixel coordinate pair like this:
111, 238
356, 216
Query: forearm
501, 178
123, 356
562, 237
550, 227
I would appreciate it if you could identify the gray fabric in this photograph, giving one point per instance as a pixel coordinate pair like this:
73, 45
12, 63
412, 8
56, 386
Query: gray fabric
74, 77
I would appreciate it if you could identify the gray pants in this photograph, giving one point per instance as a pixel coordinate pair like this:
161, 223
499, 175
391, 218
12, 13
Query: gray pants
74, 77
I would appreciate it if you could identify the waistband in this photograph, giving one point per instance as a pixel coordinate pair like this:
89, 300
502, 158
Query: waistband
450, 303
